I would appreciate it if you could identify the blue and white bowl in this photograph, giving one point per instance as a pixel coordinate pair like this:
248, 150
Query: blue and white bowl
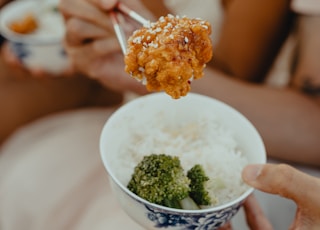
152, 216
43, 49
143, 111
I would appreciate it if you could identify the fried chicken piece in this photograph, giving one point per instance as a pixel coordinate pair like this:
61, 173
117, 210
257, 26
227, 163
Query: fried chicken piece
168, 54
26, 25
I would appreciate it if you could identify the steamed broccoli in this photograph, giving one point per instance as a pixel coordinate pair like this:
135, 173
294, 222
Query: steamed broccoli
160, 179
198, 181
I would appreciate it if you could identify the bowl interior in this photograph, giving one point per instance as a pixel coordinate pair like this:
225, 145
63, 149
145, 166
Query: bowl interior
193, 108
50, 22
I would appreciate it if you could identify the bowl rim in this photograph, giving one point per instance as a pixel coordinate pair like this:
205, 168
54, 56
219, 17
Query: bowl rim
231, 203
22, 38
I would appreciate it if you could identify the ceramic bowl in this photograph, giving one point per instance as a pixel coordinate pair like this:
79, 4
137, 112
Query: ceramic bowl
41, 49
142, 112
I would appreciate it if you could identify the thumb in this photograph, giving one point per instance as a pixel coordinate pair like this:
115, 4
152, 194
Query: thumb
283, 180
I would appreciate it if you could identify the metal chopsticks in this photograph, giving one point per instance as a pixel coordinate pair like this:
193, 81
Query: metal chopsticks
132, 14
115, 18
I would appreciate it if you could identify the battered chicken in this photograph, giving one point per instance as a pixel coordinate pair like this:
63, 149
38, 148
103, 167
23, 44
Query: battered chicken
26, 25
168, 54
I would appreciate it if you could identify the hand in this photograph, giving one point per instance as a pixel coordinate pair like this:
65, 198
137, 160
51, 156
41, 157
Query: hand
91, 44
254, 215
287, 182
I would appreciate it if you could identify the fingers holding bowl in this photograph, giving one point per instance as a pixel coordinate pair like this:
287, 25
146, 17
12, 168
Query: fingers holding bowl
255, 216
284, 180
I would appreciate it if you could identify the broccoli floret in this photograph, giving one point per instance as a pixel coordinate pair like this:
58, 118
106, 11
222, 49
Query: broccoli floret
198, 188
160, 179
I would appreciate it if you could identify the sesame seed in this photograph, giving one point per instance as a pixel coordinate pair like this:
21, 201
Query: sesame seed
141, 69
137, 40
154, 45
144, 80
147, 25
169, 25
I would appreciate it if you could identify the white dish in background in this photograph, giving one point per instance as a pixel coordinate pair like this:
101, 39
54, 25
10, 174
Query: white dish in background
41, 49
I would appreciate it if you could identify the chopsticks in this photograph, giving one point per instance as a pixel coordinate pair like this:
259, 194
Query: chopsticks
132, 14
115, 18
119, 31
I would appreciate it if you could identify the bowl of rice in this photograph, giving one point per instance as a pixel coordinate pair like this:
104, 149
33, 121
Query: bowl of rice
35, 30
197, 129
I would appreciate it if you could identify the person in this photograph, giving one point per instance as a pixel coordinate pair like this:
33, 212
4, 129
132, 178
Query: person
68, 189
242, 58
287, 117
26, 96
286, 181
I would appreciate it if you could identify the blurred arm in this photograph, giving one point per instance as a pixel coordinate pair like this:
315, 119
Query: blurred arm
307, 70
252, 32
287, 119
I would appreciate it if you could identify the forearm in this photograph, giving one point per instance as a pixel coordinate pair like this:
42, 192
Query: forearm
250, 37
307, 69
287, 120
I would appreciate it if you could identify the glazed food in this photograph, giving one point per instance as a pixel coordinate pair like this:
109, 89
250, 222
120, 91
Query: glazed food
168, 54
26, 25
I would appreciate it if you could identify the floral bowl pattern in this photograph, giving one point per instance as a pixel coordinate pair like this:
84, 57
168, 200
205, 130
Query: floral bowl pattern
153, 216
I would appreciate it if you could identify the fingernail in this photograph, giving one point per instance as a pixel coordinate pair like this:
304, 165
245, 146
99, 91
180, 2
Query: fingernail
251, 172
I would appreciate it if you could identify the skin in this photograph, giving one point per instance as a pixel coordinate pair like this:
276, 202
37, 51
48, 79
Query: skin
257, 42
255, 218
287, 119
307, 69
29, 94
278, 113
25, 97
287, 182
90, 32
286, 135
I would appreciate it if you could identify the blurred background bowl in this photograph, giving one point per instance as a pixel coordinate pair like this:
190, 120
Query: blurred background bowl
41, 49
144, 111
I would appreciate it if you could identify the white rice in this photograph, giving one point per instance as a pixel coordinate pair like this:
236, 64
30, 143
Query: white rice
206, 142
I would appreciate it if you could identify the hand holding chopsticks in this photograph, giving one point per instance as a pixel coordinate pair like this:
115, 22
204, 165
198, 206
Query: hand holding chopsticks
115, 18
